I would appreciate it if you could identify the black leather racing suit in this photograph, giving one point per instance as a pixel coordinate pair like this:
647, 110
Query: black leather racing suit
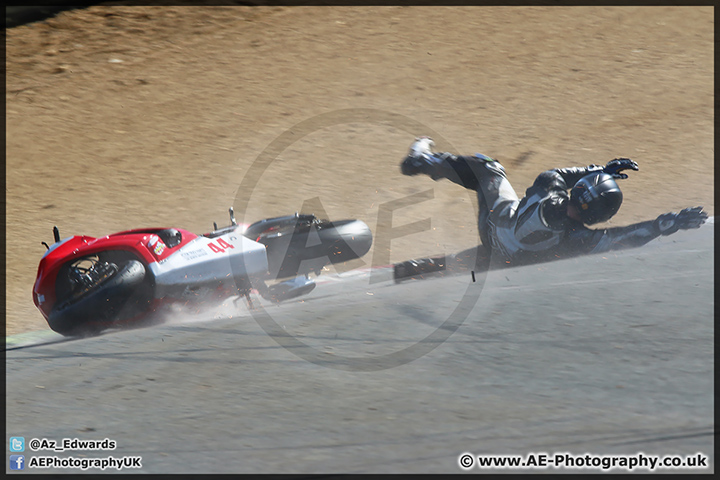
537, 227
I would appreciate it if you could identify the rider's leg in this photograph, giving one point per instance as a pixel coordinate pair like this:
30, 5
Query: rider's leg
498, 194
483, 214
480, 173
494, 184
477, 172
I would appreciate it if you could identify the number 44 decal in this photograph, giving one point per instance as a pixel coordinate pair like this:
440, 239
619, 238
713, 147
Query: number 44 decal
220, 247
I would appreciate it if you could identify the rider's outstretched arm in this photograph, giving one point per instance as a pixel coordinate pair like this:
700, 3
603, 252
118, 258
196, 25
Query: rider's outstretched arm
571, 175
614, 167
617, 238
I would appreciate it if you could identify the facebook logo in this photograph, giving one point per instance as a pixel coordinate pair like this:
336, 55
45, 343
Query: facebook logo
17, 444
17, 462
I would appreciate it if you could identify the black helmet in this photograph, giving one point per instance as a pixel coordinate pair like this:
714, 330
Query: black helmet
597, 197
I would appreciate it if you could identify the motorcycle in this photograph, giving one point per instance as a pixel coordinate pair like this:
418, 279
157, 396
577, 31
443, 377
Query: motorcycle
86, 285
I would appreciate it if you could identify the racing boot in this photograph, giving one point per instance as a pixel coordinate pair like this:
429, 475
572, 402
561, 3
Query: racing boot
418, 268
475, 259
420, 158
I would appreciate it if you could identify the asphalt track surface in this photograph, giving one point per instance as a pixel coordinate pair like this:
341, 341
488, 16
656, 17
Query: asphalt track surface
607, 354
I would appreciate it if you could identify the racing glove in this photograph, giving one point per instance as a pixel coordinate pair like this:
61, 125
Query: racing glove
418, 157
691, 217
614, 167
